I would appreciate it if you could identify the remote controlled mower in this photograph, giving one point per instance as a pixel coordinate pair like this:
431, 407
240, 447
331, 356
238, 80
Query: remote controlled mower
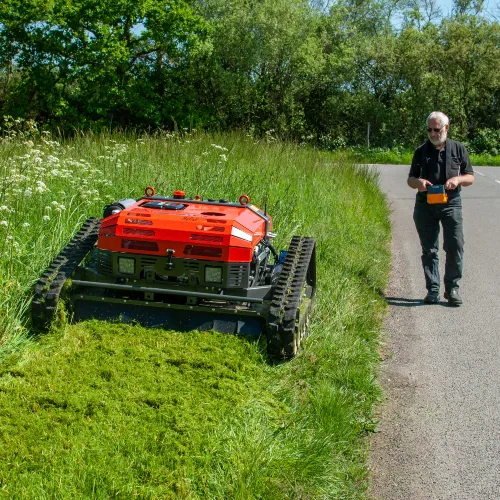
184, 264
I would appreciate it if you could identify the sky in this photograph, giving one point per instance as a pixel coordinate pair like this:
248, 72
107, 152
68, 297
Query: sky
447, 5
491, 8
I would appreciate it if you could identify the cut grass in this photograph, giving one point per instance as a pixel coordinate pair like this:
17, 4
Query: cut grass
110, 411
95, 410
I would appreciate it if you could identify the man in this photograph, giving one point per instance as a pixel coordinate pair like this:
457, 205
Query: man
440, 161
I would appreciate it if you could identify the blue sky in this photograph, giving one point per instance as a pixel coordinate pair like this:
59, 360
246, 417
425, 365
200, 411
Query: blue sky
491, 7
447, 5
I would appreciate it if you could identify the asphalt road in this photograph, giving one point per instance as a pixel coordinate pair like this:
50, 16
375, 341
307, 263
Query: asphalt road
440, 424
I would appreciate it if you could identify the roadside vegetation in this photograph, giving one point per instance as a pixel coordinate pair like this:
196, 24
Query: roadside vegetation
96, 410
326, 72
403, 156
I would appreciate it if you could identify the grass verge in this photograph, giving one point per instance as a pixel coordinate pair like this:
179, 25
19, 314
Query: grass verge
111, 411
399, 156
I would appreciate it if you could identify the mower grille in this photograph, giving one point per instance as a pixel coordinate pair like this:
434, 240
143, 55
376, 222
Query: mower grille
139, 222
138, 232
148, 262
191, 267
139, 214
207, 237
237, 273
203, 251
105, 263
149, 246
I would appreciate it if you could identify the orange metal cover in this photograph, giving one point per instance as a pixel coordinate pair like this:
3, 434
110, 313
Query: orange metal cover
216, 232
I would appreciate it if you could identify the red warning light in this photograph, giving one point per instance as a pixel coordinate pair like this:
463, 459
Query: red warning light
244, 199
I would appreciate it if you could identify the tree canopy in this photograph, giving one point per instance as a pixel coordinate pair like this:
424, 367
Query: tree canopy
316, 70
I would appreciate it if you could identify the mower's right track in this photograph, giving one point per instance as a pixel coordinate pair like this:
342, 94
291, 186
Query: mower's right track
292, 302
49, 286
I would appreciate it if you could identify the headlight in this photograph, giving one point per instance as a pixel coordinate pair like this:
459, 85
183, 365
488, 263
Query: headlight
213, 274
126, 265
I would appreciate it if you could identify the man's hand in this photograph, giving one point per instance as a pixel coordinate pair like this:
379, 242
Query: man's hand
452, 183
420, 184
424, 183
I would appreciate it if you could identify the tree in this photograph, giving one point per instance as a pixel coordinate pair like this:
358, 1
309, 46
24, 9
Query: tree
91, 59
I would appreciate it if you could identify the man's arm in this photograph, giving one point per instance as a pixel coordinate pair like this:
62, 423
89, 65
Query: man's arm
414, 179
459, 180
420, 184
466, 177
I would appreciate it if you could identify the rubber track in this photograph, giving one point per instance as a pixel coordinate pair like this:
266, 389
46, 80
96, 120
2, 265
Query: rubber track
287, 296
48, 288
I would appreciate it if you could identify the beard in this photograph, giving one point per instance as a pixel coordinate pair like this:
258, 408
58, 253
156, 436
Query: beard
436, 141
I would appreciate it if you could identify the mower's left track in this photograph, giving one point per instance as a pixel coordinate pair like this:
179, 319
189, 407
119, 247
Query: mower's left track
48, 288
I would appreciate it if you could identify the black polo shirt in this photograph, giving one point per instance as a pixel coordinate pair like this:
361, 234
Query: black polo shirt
431, 164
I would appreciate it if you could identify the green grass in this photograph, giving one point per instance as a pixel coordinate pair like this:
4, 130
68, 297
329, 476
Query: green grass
401, 156
111, 411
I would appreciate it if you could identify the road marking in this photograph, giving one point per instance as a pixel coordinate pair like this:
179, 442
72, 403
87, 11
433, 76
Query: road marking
497, 181
478, 172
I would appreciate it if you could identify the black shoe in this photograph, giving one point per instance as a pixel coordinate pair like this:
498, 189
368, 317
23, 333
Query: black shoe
453, 297
431, 298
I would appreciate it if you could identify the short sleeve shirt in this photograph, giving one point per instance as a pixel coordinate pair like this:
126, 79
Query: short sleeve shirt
433, 166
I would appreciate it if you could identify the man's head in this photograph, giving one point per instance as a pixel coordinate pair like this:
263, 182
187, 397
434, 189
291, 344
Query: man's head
437, 127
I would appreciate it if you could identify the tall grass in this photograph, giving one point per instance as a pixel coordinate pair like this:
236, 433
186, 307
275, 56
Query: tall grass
107, 411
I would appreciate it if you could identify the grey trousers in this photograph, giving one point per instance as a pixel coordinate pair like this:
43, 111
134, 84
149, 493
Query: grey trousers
428, 219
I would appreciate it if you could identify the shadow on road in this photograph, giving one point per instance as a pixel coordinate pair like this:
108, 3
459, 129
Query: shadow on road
404, 302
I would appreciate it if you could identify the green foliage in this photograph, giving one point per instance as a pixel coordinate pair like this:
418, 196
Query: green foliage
384, 156
96, 410
88, 62
487, 141
309, 72
404, 156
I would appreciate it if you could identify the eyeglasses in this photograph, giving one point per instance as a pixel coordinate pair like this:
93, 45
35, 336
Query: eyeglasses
430, 129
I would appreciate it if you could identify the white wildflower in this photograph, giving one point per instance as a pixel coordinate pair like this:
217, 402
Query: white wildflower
28, 192
40, 187
4, 208
216, 146
45, 218
3, 223
26, 224
223, 157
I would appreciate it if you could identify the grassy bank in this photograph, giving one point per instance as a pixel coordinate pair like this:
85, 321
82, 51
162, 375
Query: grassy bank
111, 411
401, 156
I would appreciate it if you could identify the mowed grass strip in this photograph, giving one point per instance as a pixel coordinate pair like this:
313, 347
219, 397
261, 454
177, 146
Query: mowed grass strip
112, 411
